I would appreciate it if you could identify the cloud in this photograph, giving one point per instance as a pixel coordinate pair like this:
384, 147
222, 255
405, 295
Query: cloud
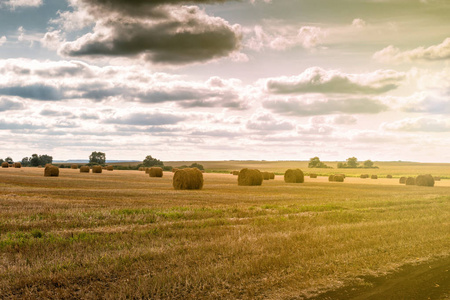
35, 91
316, 107
421, 124
432, 53
278, 37
266, 122
6, 104
74, 80
2, 40
13, 4
161, 32
52, 40
143, 119
318, 80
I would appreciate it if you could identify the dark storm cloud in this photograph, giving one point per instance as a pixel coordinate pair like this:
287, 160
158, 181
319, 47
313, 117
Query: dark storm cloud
142, 119
296, 107
180, 35
35, 91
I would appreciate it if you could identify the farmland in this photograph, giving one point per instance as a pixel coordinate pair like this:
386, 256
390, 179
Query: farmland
125, 235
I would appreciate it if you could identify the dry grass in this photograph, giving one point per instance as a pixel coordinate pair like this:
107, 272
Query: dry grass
123, 236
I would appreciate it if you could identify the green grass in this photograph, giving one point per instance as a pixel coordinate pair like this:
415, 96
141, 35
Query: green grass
124, 235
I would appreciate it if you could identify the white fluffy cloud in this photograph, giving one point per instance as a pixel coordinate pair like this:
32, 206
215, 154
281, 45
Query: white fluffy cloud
2, 40
318, 80
23, 3
421, 124
435, 52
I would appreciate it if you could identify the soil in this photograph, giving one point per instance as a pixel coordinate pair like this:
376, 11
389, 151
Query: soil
425, 281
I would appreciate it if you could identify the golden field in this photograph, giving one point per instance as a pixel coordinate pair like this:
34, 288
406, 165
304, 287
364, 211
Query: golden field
124, 235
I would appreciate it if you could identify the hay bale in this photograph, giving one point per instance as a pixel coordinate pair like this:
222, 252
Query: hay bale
389, 176
374, 177
364, 176
437, 178
74, 166
410, 181
271, 175
331, 178
110, 168
174, 170
312, 175
338, 178
17, 165
5, 164
235, 173
294, 176
51, 170
188, 179
265, 175
425, 180
156, 172
97, 169
85, 169
147, 170
250, 177
402, 180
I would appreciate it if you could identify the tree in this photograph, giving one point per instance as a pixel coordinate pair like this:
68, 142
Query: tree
352, 162
34, 160
25, 162
45, 159
149, 161
316, 163
198, 166
368, 164
9, 160
97, 158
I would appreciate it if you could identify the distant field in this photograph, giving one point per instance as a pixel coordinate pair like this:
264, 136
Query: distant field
124, 235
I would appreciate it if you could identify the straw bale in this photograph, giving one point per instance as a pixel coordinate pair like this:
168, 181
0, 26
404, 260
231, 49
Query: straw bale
188, 179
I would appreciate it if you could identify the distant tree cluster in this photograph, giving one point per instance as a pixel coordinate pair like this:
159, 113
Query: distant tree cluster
36, 160
352, 163
316, 163
194, 165
149, 161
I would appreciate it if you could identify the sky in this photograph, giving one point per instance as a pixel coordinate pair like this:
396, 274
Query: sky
226, 80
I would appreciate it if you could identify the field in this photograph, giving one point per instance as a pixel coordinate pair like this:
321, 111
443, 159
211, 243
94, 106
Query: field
124, 235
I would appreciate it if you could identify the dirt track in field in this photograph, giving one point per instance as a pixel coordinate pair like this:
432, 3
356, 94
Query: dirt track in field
425, 281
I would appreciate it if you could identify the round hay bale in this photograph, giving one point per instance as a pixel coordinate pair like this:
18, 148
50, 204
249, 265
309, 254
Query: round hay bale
402, 180
188, 179
294, 176
364, 176
331, 178
410, 181
374, 177
5, 164
312, 175
147, 170
74, 166
156, 172
437, 178
250, 177
85, 169
51, 170
389, 176
235, 173
97, 169
425, 180
17, 165
265, 175
110, 168
338, 178
271, 175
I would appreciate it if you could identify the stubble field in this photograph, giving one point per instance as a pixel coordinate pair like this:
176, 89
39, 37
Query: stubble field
125, 235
